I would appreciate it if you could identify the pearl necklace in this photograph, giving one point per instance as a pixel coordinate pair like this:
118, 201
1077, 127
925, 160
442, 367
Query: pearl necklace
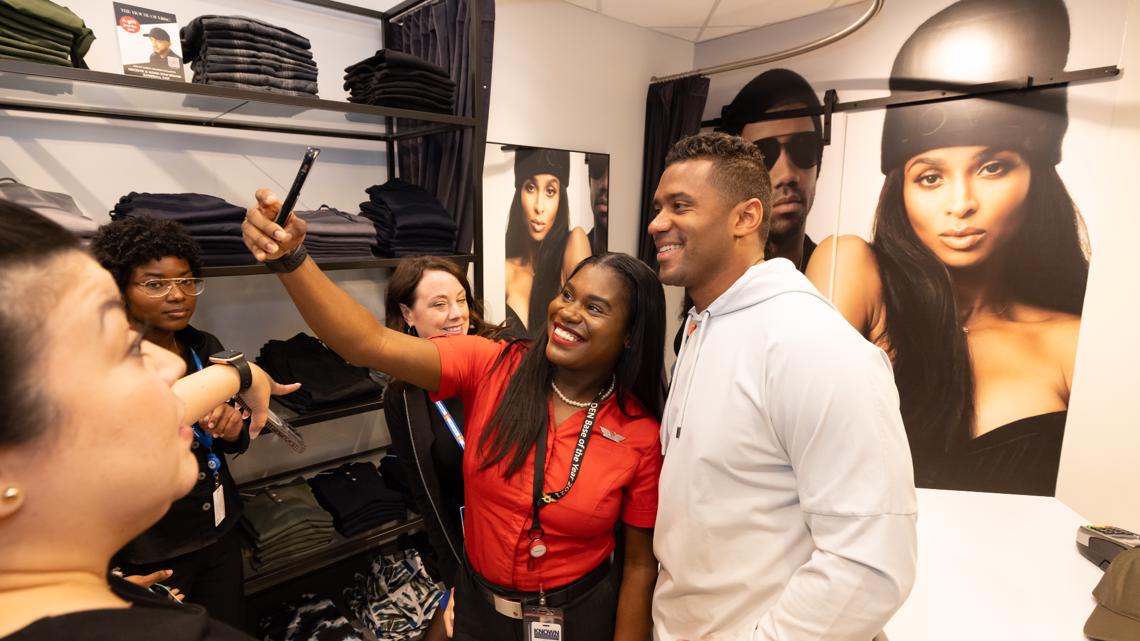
562, 397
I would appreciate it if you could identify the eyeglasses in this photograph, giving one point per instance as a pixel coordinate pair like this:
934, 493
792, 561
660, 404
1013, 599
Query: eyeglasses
159, 287
803, 149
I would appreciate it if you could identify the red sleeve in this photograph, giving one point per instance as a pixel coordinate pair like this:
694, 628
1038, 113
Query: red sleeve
464, 362
639, 505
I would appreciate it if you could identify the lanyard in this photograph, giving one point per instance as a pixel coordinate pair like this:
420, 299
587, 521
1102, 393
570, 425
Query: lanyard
204, 439
451, 426
540, 498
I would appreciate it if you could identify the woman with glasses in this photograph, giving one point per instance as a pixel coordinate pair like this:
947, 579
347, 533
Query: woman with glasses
157, 268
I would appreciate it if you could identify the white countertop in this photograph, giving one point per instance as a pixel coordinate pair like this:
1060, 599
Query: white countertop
996, 566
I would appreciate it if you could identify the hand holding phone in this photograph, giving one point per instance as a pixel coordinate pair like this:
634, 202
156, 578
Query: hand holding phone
311, 154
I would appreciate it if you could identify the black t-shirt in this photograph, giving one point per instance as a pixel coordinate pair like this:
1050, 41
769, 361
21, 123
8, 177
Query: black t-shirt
149, 617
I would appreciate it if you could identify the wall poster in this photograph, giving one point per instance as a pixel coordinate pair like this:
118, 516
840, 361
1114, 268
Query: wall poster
549, 209
955, 235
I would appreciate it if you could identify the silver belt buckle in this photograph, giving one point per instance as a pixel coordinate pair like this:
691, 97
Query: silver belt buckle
508, 608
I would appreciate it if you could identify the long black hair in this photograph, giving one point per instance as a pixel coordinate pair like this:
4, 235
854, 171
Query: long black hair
523, 413
548, 255
1046, 266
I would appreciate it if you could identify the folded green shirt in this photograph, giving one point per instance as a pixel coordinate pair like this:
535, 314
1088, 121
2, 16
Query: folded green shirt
60, 16
32, 56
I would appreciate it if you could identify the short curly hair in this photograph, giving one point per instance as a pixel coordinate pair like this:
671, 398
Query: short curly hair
127, 243
738, 169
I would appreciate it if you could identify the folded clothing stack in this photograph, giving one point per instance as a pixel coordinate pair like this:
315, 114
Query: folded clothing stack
396, 598
43, 31
326, 378
282, 523
394, 79
308, 618
59, 208
336, 234
395, 475
212, 222
234, 51
357, 498
409, 221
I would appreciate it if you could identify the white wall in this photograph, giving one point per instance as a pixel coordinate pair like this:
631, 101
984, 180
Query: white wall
1100, 463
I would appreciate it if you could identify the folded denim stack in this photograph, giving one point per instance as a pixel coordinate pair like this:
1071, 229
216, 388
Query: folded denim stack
396, 598
409, 221
336, 234
394, 79
234, 51
43, 31
212, 222
326, 378
284, 522
59, 208
308, 618
357, 498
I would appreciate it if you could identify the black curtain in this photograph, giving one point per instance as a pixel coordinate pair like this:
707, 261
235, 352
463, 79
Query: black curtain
440, 33
672, 111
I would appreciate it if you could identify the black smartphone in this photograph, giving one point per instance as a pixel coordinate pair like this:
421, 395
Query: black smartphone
311, 154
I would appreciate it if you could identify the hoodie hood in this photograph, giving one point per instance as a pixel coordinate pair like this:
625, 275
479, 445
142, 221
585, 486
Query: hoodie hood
762, 282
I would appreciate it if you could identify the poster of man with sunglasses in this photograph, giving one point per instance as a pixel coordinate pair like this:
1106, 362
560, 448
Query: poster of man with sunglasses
792, 149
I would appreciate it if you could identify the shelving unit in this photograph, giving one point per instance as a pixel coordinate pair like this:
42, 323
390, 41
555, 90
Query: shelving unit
334, 552
41, 88
326, 265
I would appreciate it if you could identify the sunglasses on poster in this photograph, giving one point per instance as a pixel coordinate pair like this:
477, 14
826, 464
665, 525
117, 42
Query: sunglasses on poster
803, 149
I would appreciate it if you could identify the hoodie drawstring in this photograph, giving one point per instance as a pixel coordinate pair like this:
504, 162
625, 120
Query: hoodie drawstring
669, 432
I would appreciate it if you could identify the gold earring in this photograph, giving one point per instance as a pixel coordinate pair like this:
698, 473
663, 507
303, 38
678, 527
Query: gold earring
11, 493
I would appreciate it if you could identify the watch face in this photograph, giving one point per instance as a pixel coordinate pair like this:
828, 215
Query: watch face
226, 356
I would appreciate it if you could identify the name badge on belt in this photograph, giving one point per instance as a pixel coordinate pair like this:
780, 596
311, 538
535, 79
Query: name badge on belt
542, 623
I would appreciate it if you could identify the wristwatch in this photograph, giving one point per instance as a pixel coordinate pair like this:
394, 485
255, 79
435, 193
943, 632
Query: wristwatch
289, 262
237, 361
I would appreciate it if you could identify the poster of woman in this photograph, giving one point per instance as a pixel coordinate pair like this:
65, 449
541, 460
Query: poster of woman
556, 209
968, 267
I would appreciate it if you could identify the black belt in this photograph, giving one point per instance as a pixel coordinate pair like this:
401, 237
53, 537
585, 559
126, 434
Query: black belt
510, 602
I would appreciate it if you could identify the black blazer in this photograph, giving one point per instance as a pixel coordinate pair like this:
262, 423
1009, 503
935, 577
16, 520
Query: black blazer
434, 465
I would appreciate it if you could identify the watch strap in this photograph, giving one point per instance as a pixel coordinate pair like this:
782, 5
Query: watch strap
289, 262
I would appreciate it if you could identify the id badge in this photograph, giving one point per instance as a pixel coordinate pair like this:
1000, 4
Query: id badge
219, 505
542, 624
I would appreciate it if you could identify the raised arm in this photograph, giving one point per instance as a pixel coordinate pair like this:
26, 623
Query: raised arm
337, 319
206, 389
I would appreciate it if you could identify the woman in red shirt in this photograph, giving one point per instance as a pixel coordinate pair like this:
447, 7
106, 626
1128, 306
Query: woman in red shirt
562, 434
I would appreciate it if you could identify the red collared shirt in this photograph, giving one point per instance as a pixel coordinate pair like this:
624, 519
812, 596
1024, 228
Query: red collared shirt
616, 479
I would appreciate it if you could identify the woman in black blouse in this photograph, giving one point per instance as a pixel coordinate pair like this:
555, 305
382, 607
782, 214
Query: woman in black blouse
156, 266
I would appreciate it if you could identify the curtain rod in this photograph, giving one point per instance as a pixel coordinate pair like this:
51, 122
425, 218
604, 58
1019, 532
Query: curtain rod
872, 11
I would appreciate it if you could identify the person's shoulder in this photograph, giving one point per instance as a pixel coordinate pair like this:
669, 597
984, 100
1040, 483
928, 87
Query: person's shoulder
199, 340
1054, 332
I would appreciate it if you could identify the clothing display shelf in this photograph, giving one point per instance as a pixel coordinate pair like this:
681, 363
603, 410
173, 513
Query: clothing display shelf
326, 265
350, 408
361, 543
37, 87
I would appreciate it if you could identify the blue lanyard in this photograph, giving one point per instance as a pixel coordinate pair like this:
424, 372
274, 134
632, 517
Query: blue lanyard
205, 440
451, 426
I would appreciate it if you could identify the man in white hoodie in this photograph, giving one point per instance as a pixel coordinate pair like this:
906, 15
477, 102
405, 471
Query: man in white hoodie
787, 495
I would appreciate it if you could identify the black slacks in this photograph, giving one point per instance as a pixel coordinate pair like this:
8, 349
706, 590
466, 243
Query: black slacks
590, 617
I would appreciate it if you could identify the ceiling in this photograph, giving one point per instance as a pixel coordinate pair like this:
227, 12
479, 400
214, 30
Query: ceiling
700, 20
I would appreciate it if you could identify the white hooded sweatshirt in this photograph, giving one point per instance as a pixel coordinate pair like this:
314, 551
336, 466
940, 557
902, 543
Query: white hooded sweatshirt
787, 507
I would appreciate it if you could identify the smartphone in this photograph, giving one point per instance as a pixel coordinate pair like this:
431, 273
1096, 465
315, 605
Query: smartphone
311, 154
280, 427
